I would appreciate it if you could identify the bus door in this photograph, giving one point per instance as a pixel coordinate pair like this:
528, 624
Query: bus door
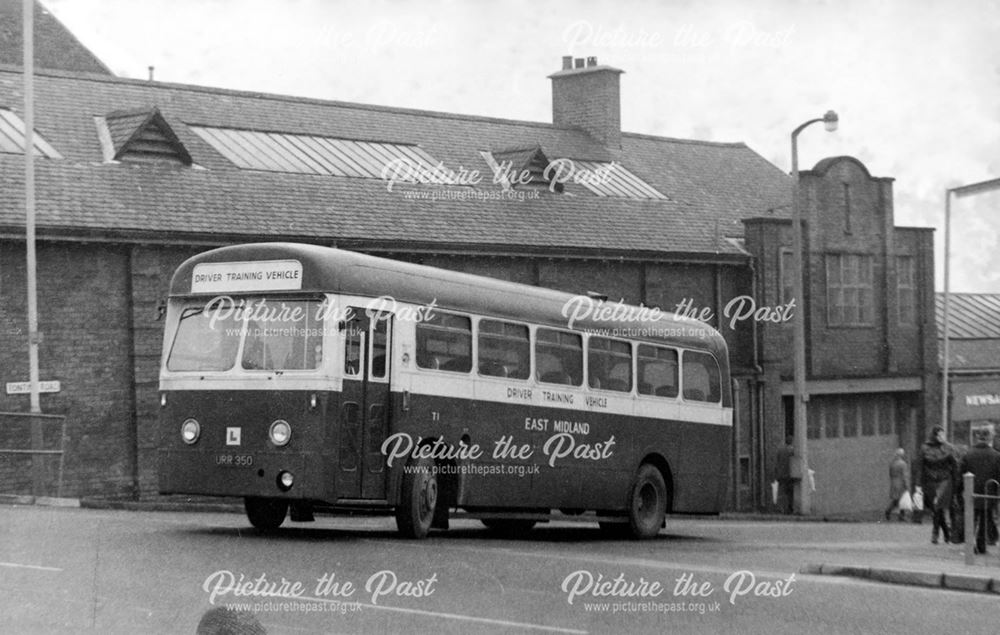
364, 406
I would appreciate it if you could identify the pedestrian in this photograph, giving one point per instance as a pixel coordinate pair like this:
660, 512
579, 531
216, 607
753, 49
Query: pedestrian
984, 463
936, 469
899, 483
783, 474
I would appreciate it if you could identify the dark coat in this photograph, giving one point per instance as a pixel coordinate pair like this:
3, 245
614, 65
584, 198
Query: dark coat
984, 463
936, 463
783, 463
899, 478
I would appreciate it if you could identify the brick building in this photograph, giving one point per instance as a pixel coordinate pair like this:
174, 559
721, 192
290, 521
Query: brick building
136, 176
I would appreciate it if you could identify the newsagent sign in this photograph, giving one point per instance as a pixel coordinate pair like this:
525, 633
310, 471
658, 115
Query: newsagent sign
973, 400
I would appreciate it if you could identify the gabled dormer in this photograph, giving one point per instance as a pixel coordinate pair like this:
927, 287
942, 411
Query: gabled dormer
521, 167
140, 136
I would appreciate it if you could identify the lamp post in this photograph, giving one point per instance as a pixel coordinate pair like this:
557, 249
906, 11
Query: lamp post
958, 192
830, 121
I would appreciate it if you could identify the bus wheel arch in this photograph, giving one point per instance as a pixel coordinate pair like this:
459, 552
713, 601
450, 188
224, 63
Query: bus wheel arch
649, 498
424, 495
663, 466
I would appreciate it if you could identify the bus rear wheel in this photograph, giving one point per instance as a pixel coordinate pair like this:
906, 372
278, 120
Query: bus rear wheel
647, 502
266, 514
508, 526
418, 497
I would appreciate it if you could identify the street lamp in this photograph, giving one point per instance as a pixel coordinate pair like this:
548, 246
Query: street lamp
830, 121
958, 192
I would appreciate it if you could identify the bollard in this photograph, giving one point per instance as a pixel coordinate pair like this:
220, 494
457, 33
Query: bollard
969, 531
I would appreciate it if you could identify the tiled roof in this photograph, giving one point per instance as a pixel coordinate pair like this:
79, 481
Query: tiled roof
710, 186
55, 46
970, 315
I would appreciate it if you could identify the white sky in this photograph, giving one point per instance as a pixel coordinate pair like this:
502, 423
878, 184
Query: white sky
916, 83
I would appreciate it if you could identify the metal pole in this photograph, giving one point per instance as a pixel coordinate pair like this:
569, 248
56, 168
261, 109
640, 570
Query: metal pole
799, 334
970, 538
29, 198
947, 304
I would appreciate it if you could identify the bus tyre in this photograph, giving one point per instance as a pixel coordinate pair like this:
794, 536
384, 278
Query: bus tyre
508, 526
417, 499
266, 514
647, 502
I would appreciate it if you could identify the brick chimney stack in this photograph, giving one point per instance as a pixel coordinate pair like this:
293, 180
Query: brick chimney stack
587, 96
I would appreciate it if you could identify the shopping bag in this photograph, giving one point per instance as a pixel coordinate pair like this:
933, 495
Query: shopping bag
905, 502
918, 500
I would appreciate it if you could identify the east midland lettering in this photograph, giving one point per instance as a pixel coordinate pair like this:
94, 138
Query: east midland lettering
532, 424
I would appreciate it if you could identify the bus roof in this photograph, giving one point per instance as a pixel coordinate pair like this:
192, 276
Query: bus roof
329, 270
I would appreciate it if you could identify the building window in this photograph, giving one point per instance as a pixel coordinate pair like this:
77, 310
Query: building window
786, 274
847, 208
886, 416
830, 414
814, 422
849, 290
869, 413
906, 285
849, 415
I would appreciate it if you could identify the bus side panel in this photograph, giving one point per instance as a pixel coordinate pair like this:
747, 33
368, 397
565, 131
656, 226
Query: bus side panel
700, 466
233, 456
601, 454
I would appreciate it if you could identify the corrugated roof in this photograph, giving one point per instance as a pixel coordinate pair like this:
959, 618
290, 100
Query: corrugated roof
970, 315
708, 185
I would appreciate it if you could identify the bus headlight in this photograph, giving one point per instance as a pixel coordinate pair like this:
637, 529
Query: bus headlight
285, 481
280, 433
190, 431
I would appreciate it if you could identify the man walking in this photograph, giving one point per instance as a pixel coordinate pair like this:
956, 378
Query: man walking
783, 474
936, 467
984, 463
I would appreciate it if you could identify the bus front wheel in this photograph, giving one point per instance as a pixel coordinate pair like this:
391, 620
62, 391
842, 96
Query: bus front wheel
266, 514
417, 499
647, 502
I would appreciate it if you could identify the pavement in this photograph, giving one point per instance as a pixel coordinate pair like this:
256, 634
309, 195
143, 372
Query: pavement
903, 562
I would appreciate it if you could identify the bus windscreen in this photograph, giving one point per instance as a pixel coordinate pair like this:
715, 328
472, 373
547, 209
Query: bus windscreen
276, 335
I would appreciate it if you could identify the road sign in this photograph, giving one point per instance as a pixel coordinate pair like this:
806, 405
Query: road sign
24, 387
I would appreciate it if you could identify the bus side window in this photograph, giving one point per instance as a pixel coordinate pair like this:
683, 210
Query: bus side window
701, 377
444, 342
609, 364
380, 341
352, 350
504, 350
657, 371
559, 356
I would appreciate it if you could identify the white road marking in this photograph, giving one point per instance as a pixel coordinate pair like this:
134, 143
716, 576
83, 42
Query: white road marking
437, 614
37, 567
